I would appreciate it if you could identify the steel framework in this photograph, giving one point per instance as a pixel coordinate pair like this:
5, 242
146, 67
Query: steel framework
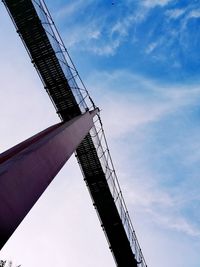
70, 97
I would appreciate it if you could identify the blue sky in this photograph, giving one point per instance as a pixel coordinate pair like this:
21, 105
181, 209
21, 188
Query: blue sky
140, 62
155, 38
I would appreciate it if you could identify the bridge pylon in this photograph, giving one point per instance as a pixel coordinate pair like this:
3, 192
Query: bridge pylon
28, 168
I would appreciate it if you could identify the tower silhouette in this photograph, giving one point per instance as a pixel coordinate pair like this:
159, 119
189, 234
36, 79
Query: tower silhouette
76, 109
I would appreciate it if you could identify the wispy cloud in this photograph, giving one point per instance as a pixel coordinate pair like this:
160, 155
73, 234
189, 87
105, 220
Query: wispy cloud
175, 13
107, 29
145, 106
194, 14
103, 31
161, 206
100, 39
173, 221
142, 95
72, 8
151, 47
153, 3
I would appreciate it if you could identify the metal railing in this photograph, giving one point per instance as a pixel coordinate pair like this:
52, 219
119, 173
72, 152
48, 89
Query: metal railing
85, 103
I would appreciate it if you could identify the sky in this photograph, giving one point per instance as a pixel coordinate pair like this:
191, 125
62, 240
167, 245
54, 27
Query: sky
140, 62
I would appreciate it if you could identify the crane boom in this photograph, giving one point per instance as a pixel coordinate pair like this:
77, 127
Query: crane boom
70, 98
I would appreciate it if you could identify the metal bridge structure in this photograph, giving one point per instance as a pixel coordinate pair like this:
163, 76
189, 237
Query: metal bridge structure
75, 108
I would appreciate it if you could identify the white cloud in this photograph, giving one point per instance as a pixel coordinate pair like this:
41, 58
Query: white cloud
162, 209
72, 8
151, 47
102, 34
148, 197
106, 50
153, 3
194, 14
95, 34
144, 102
174, 222
175, 13
160, 206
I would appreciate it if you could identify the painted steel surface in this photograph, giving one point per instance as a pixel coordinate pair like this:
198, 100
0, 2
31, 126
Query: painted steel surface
28, 168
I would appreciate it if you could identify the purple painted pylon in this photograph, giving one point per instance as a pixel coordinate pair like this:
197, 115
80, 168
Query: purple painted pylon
28, 168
